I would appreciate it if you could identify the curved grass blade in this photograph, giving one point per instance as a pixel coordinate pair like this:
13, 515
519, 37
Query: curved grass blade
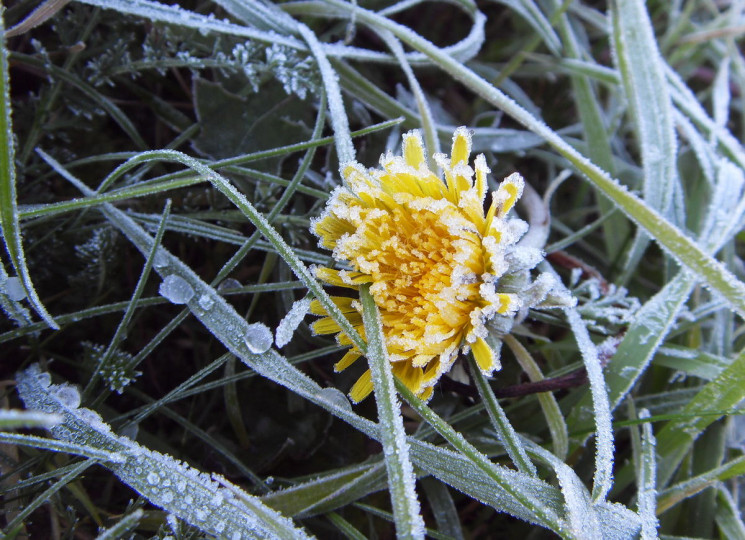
9, 224
177, 488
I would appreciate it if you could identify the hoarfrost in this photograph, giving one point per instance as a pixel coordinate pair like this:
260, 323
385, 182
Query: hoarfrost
93, 419
176, 289
14, 289
205, 302
292, 320
258, 338
184, 493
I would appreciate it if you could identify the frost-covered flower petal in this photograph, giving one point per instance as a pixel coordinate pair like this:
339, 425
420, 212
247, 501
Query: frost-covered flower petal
433, 256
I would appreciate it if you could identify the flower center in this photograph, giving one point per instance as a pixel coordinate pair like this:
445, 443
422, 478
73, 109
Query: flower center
426, 261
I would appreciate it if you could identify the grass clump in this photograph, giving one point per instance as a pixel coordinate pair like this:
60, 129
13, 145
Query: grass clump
163, 167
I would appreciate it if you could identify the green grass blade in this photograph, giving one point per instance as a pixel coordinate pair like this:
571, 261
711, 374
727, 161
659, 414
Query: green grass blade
519, 491
647, 497
9, 223
616, 229
14, 419
43, 498
642, 73
401, 479
557, 426
177, 488
676, 437
123, 526
676, 493
501, 424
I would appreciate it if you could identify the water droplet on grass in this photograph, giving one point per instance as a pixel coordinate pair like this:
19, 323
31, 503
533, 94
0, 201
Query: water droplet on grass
333, 395
14, 289
176, 289
258, 338
68, 395
228, 285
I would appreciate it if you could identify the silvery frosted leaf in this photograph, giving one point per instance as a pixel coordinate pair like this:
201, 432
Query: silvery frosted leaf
183, 491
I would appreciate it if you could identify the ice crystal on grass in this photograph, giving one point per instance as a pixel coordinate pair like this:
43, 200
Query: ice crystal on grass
258, 338
176, 289
440, 269
97, 256
605, 307
292, 320
186, 493
117, 371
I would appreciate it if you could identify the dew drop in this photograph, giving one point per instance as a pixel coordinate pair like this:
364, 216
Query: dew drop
176, 289
153, 478
167, 496
44, 379
228, 285
335, 396
161, 259
68, 395
14, 289
258, 338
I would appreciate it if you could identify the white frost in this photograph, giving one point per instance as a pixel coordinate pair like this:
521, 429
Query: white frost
292, 320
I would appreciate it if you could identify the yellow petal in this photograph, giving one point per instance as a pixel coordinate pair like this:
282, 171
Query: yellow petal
411, 376
461, 146
509, 191
327, 325
426, 394
507, 302
481, 171
483, 355
413, 149
344, 303
333, 277
362, 388
347, 360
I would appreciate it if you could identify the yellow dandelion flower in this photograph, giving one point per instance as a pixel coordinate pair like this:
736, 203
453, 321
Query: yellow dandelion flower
433, 257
